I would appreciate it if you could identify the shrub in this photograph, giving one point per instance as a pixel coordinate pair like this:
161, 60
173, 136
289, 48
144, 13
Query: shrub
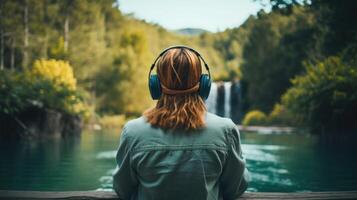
49, 84
56, 86
59, 72
281, 116
255, 117
112, 121
325, 97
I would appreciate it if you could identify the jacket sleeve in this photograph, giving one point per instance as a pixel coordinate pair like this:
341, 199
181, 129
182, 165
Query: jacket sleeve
235, 176
124, 179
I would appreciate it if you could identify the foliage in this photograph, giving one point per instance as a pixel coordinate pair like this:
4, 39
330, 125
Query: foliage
111, 54
49, 84
279, 4
254, 117
57, 51
227, 50
325, 97
280, 116
334, 31
276, 47
13, 92
56, 85
112, 121
57, 71
296, 33
116, 83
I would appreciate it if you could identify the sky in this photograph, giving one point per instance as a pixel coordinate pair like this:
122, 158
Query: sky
211, 15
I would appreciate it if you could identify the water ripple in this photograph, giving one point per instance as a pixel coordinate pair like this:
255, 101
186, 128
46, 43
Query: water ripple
106, 155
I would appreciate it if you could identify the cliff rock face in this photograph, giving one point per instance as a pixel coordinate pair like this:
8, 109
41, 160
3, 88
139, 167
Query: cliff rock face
38, 122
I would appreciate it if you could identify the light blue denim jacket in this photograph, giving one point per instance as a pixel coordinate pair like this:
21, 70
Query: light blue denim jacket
154, 163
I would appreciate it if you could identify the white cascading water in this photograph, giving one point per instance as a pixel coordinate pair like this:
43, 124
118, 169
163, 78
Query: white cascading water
211, 101
227, 97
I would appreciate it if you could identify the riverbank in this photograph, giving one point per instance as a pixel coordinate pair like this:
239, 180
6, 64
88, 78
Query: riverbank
37, 122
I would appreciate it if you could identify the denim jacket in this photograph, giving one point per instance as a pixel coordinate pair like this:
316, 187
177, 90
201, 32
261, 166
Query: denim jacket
154, 163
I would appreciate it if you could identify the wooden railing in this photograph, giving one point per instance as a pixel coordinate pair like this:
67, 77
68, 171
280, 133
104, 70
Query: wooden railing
5, 194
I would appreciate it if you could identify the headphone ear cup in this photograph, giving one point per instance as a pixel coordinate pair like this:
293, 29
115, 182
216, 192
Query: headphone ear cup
154, 86
205, 86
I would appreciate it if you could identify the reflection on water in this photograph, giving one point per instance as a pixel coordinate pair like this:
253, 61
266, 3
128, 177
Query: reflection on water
277, 162
106, 155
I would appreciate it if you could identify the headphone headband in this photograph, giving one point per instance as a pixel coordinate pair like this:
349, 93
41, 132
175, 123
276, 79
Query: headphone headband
177, 47
203, 87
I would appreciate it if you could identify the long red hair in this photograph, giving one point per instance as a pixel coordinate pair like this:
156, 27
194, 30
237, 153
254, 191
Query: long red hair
178, 69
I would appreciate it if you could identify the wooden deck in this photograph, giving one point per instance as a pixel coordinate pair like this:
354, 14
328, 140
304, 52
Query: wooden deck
4, 194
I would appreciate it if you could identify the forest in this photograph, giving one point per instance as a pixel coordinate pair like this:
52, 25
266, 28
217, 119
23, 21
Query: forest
297, 63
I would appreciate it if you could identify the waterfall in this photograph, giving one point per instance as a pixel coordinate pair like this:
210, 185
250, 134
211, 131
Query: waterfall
227, 98
211, 101
224, 100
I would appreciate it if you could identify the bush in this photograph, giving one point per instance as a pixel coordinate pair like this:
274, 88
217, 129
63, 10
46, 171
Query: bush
56, 86
281, 116
255, 117
112, 121
58, 72
325, 97
49, 84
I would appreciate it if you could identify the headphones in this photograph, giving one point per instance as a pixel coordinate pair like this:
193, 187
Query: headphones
203, 86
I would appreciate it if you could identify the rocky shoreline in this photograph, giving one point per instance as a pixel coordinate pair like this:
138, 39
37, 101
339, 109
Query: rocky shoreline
39, 122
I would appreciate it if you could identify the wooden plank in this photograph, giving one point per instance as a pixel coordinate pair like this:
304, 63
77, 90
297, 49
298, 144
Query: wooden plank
33, 195
5, 194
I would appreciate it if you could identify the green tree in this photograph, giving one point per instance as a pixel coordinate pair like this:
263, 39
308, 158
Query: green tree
277, 45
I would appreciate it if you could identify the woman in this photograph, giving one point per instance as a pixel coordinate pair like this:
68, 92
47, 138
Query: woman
177, 150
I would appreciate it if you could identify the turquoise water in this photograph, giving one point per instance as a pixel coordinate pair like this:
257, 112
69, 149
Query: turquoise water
277, 162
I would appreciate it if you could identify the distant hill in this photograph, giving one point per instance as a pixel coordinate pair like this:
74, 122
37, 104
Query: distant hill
190, 31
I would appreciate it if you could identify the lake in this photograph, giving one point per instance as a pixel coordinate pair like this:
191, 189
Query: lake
277, 162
